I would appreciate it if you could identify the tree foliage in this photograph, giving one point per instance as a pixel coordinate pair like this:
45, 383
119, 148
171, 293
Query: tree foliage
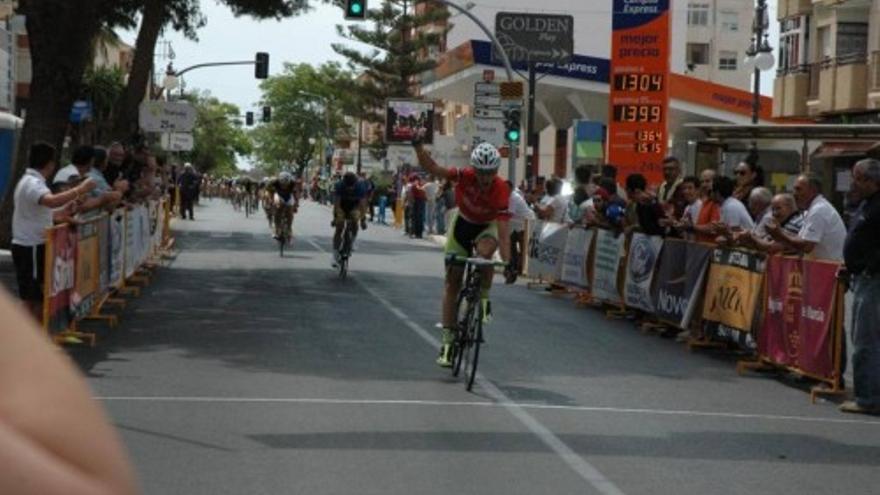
102, 86
218, 135
399, 53
308, 103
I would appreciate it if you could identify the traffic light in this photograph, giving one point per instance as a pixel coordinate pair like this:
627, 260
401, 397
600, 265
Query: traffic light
261, 68
267, 114
249, 118
512, 117
356, 10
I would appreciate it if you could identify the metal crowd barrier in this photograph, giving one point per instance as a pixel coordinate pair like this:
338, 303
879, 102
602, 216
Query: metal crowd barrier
90, 264
784, 312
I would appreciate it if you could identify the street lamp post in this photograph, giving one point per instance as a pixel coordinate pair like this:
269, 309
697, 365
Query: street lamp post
760, 55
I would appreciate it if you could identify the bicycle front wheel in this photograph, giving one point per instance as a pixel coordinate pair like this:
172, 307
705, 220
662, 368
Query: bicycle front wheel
473, 354
461, 319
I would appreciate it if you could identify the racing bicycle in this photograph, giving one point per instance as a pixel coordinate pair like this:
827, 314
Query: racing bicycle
469, 319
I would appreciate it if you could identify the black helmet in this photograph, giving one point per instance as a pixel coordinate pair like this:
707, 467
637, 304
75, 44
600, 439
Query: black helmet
349, 179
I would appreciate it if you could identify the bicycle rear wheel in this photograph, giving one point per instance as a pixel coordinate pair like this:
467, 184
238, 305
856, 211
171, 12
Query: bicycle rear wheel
281, 242
343, 267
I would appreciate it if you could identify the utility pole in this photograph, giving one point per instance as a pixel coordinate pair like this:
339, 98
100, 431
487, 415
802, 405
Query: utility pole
532, 139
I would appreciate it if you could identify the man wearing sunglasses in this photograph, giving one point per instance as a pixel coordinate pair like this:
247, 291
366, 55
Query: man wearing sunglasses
480, 225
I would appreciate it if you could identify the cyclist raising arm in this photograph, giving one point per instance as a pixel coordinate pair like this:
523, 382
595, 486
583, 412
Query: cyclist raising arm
480, 225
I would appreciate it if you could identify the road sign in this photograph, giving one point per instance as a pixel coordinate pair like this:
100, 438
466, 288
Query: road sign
177, 141
401, 155
80, 111
490, 131
166, 116
536, 37
511, 90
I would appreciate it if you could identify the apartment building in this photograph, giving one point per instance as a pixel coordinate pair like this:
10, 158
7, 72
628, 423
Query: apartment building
109, 53
718, 34
828, 61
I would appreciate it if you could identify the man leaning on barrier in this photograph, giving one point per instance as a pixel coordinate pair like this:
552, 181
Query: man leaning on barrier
862, 260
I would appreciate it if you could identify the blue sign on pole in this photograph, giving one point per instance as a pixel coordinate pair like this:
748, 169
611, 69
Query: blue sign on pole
579, 66
80, 111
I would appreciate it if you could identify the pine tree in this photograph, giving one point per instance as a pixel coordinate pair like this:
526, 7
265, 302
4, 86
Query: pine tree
400, 54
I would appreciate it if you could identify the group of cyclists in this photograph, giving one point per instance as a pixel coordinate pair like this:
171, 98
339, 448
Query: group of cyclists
478, 228
280, 198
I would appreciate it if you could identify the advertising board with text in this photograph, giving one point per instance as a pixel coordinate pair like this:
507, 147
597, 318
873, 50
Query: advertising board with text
639, 98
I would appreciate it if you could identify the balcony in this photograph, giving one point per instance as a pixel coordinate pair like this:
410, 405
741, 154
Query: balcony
838, 85
875, 72
790, 90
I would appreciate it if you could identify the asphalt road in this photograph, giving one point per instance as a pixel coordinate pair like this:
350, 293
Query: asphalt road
240, 372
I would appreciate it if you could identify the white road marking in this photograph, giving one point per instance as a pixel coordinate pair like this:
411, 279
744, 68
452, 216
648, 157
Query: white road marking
580, 465
522, 405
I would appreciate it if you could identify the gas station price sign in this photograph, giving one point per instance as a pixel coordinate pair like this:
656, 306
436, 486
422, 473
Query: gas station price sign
639, 89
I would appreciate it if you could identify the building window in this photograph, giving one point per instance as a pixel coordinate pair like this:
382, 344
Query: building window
729, 21
852, 42
698, 14
698, 53
727, 60
793, 43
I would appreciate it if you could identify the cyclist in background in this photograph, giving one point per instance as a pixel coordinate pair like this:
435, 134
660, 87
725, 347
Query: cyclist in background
267, 200
285, 202
480, 225
349, 207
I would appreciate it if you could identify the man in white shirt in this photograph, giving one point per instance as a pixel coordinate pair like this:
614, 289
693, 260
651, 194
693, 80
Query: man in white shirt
31, 217
734, 215
823, 233
82, 164
759, 206
519, 214
552, 206
690, 191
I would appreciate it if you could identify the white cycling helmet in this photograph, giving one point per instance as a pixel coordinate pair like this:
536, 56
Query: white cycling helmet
285, 177
485, 157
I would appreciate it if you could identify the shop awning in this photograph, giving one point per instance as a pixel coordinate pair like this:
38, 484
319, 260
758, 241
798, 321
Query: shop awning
817, 132
844, 149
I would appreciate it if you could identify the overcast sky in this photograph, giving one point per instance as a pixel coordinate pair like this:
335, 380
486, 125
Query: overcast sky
301, 39
304, 39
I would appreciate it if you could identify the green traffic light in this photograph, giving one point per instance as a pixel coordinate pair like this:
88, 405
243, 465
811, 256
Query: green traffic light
356, 8
513, 135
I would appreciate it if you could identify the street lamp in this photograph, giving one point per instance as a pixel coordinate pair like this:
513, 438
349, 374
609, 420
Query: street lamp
760, 56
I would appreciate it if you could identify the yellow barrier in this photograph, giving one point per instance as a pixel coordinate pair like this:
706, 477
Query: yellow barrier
87, 264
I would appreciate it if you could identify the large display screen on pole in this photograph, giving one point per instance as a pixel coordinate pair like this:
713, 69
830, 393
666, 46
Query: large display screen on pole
405, 119
639, 99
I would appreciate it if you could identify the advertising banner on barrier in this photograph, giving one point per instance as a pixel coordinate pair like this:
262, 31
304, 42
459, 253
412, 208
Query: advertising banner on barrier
644, 251
546, 249
117, 247
680, 275
88, 270
797, 320
61, 253
144, 240
132, 232
155, 227
104, 254
732, 295
606, 266
574, 263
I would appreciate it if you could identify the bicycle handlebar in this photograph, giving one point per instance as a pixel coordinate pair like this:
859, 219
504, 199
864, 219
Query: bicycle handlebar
478, 261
